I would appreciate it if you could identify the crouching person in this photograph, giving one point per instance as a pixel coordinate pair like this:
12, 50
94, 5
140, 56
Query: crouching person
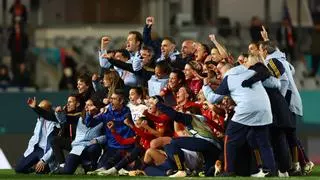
85, 150
38, 155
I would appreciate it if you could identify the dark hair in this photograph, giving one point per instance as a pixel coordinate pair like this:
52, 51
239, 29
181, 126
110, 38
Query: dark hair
170, 39
269, 46
246, 55
97, 100
148, 48
159, 98
86, 78
124, 53
181, 76
121, 93
164, 67
139, 91
196, 66
206, 48
76, 95
138, 36
194, 110
211, 62
192, 96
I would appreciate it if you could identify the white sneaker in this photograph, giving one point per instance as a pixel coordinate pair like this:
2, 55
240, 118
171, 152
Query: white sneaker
260, 174
285, 174
95, 172
179, 174
112, 171
296, 166
123, 172
308, 168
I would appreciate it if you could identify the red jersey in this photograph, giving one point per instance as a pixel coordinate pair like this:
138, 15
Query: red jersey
144, 138
162, 122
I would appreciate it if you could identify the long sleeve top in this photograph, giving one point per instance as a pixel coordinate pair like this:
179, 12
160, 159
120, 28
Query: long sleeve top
118, 118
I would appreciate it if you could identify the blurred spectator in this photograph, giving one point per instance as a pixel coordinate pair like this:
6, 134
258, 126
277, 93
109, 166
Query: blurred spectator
69, 78
4, 76
19, 12
18, 45
22, 78
315, 51
286, 37
255, 29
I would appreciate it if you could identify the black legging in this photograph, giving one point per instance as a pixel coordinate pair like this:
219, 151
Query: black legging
209, 151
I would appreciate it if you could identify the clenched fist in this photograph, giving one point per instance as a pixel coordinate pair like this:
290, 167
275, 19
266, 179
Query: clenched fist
150, 21
104, 42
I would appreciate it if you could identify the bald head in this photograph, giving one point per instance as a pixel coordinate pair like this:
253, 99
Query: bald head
225, 68
45, 104
187, 48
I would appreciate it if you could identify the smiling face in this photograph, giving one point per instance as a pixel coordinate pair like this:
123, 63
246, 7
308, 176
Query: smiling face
253, 49
173, 80
182, 95
89, 104
72, 104
188, 71
82, 86
107, 81
166, 47
187, 49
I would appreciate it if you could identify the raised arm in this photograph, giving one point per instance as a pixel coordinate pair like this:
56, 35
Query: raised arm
103, 60
222, 51
121, 64
48, 115
262, 73
157, 119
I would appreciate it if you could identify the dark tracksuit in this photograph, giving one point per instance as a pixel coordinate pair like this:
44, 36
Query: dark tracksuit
65, 137
282, 120
277, 67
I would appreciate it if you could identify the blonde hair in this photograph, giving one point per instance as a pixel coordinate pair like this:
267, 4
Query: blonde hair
253, 59
117, 82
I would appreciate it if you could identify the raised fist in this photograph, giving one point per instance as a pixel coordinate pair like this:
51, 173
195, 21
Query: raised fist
110, 124
104, 42
212, 37
128, 122
150, 21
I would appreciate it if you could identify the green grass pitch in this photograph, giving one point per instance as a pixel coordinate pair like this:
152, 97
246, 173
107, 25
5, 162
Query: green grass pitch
9, 174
